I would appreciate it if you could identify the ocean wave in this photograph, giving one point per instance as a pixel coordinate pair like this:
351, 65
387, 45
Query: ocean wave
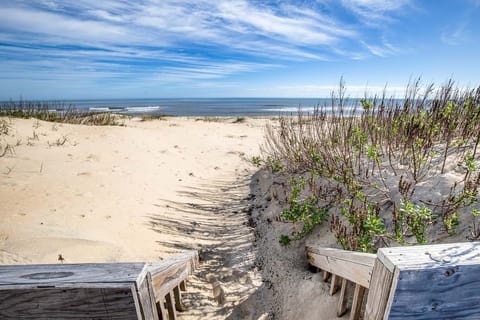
291, 109
99, 109
143, 109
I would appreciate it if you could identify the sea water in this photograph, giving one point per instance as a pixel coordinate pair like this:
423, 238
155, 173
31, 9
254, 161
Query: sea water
201, 106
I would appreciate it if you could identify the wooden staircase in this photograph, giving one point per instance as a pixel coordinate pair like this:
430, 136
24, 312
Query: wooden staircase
169, 279
121, 291
342, 267
415, 282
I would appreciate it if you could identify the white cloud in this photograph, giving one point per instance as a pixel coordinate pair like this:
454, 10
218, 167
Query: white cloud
375, 12
174, 40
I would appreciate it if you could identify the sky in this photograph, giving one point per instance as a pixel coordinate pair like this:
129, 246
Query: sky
93, 49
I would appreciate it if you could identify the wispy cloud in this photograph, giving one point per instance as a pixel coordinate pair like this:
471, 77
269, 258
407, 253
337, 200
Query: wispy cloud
376, 12
459, 31
178, 40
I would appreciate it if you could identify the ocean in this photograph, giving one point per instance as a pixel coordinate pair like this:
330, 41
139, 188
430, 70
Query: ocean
197, 107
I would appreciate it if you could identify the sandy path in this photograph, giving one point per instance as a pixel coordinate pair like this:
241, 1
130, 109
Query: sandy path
134, 193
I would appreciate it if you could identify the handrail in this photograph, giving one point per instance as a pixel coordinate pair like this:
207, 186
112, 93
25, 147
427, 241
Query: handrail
168, 280
436, 281
356, 267
96, 290
344, 266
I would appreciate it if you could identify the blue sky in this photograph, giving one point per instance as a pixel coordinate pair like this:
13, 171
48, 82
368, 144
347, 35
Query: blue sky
86, 49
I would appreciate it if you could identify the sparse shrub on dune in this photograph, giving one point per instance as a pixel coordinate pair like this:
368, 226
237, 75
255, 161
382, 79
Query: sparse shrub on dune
4, 130
57, 112
390, 168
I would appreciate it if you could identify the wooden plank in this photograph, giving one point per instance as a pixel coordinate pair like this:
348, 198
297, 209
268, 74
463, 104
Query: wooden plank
334, 284
147, 299
178, 299
453, 292
421, 257
76, 303
352, 256
162, 313
342, 299
357, 302
379, 292
433, 281
170, 303
169, 273
55, 274
346, 268
183, 285
396, 275
326, 275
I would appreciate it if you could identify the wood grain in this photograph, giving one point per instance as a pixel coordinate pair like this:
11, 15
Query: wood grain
447, 292
357, 302
379, 292
169, 273
342, 299
334, 284
52, 274
421, 257
77, 303
170, 303
147, 299
353, 266
94, 291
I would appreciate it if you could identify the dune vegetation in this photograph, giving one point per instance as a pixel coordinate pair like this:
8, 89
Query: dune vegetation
379, 170
57, 112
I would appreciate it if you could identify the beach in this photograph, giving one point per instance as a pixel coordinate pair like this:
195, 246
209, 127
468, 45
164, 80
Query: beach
97, 196
137, 192
153, 186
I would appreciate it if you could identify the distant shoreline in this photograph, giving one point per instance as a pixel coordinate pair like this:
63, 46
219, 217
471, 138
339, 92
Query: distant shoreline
219, 107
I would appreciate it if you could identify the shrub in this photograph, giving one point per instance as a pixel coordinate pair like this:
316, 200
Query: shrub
375, 153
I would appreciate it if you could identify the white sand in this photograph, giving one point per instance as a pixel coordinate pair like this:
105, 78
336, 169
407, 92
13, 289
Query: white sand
136, 193
97, 197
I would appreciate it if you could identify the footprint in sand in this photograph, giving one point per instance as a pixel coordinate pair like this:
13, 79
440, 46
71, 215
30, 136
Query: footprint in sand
92, 157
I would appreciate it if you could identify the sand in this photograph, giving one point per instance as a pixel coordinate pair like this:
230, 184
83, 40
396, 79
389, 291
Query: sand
99, 196
149, 189
138, 192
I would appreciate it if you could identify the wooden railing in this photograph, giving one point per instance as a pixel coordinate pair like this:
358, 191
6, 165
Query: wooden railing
169, 280
341, 267
416, 282
96, 290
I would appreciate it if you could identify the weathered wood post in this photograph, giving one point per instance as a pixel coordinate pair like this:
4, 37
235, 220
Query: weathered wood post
426, 282
77, 291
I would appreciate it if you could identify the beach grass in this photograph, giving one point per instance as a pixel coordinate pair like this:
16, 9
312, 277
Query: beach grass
57, 112
375, 166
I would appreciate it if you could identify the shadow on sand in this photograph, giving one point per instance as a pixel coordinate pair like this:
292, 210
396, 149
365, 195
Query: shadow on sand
214, 219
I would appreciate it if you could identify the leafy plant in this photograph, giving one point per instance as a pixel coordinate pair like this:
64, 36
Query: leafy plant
256, 161
376, 152
284, 240
304, 211
475, 232
416, 219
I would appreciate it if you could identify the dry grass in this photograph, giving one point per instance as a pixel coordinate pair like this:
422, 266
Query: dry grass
373, 154
57, 112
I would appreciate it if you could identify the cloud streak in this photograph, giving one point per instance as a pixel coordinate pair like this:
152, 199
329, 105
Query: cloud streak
181, 40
